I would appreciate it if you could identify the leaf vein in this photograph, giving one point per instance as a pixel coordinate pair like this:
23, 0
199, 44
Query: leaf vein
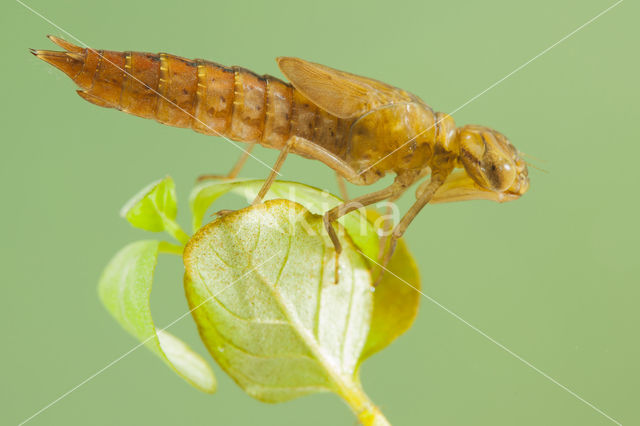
316, 319
348, 318
284, 263
253, 320
252, 382
245, 351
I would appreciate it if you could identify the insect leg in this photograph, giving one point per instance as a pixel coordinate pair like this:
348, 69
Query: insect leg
274, 171
425, 195
309, 149
236, 167
387, 225
240, 163
349, 206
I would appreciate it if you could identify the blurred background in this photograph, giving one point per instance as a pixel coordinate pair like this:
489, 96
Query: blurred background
552, 276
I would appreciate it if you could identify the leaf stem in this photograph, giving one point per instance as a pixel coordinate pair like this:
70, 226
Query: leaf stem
364, 409
166, 247
175, 231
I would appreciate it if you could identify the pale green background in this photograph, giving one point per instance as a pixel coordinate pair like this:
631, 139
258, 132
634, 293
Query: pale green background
552, 276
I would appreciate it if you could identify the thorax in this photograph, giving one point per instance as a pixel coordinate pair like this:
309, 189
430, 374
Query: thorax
400, 138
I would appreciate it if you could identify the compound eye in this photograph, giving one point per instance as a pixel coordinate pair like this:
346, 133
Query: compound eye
499, 172
488, 158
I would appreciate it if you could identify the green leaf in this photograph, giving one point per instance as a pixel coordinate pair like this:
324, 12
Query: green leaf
125, 289
155, 209
395, 302
153, 206
260, 283
313, 199
396, 298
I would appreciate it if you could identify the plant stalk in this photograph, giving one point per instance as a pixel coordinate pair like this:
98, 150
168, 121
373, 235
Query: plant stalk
175, 231
366, 411
166, 247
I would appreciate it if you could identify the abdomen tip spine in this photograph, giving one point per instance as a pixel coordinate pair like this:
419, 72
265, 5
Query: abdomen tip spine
205, 96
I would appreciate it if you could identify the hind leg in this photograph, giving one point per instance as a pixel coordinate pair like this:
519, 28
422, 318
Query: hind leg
307, 148
235, 169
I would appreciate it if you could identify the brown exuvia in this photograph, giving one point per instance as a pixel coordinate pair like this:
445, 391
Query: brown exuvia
360, 127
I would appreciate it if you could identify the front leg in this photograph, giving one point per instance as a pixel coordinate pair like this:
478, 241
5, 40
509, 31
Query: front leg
425, 195
386, 227
340, 210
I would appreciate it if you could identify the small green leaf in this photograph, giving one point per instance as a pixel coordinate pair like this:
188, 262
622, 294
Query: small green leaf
204, 194
150, 208
313, 199
396, 298
125, 289
260, 283
155, 209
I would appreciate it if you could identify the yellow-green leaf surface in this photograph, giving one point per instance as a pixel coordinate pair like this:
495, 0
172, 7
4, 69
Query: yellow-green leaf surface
395, 301
313, 199
153, 206
261, 285
125, 289
155, 209
396, 298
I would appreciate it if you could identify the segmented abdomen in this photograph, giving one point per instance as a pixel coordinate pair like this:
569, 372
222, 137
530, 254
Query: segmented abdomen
207, 97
